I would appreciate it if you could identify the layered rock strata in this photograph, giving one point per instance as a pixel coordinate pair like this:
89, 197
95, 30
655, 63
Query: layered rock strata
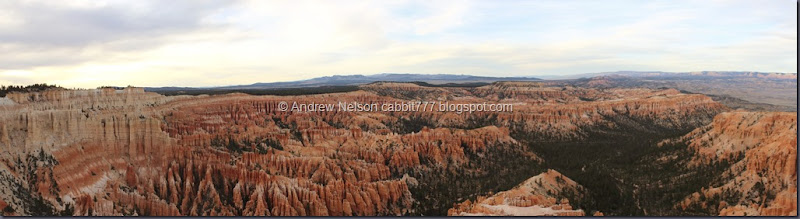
130, 152
541, 195
762, 179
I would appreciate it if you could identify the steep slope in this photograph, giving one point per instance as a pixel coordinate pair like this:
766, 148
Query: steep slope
740, 163
763, 178
542, 195
226, 155
130, 152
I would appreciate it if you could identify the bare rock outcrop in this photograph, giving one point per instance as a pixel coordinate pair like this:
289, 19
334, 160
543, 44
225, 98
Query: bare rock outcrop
541, 195
763, 178
130, 152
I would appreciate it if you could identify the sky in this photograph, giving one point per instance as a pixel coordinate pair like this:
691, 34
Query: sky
91, 43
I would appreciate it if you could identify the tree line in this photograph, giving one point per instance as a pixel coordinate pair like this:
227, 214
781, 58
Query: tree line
4, 90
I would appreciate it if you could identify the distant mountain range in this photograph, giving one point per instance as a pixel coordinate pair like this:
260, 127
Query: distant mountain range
350, 80
681, 75
445, 79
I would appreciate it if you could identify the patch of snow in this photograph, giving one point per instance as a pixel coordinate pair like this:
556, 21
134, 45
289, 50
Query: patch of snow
4, 101
98, 186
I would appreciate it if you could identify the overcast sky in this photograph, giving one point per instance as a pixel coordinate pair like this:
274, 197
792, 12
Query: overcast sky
89, 43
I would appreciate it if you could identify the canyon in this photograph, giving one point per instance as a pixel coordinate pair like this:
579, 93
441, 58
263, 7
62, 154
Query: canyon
762, 179
565, 149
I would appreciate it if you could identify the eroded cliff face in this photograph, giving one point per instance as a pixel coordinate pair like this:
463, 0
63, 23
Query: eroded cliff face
565, 113
62, 146
542, 195
762, 179
129, 152
122, 153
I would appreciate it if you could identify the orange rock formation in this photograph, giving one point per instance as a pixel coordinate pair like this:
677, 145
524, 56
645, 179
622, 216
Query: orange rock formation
541, 195
764, 181
130, 152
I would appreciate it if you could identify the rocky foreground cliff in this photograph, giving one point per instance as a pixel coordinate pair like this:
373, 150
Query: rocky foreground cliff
542, 195
130, 152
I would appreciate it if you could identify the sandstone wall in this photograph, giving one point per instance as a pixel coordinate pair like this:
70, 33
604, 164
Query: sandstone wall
764, 181
129, 152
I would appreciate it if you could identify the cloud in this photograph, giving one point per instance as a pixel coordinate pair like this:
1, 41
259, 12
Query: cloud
48, 23
208, 43
43, 33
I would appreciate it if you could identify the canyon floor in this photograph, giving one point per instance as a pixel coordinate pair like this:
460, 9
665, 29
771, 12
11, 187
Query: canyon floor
588, 147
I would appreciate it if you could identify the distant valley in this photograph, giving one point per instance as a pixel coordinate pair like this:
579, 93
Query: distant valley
749, 90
